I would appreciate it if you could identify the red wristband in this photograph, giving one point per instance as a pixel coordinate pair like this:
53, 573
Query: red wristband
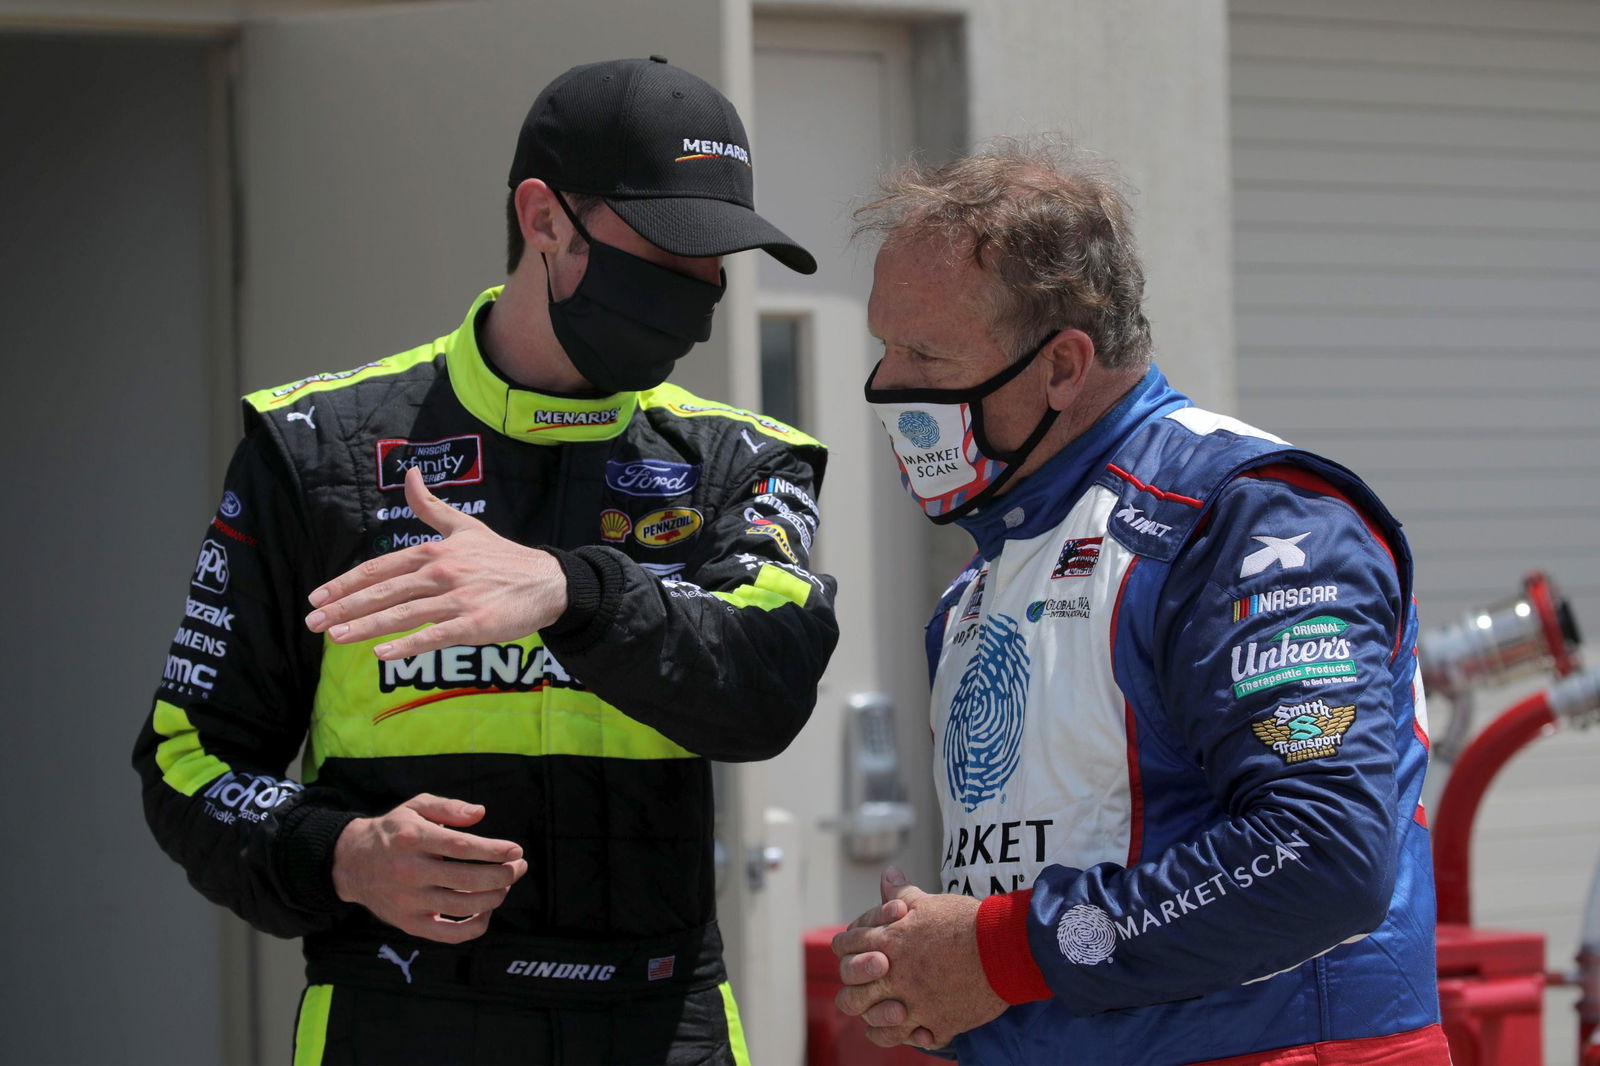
1003, 949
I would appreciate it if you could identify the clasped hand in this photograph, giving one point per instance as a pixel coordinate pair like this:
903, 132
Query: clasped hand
911, 969
416, 870
474, 586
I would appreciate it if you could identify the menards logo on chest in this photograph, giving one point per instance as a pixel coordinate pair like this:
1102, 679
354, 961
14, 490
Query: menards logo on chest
506, 667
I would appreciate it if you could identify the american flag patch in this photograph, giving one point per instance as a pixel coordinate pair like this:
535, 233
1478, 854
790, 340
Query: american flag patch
659, 969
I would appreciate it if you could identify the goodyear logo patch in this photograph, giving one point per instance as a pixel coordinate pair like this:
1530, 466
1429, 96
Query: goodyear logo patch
668, 526
614, 526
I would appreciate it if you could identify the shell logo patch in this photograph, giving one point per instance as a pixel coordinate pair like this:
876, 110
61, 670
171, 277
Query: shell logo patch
614, 526
668, 526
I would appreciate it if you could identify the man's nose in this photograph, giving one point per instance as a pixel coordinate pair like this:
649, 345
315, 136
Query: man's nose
892, 372
707, 269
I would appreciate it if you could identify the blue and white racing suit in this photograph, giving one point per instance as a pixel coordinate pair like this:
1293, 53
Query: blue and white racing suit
1179, 742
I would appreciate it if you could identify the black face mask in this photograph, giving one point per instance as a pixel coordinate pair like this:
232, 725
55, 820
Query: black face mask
629, 320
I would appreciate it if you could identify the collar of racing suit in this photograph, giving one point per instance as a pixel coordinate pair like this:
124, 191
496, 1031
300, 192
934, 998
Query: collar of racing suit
1039, 501
524, 414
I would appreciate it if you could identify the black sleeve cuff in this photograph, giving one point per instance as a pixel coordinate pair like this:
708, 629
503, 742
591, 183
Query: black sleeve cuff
306, 838
594, 588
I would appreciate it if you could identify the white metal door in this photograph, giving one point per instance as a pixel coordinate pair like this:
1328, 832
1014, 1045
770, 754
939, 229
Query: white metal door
833, 108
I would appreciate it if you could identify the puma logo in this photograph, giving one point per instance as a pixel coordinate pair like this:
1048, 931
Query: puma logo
387, 952
304, 417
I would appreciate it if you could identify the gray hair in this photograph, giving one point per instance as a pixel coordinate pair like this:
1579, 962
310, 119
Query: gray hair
1049, 225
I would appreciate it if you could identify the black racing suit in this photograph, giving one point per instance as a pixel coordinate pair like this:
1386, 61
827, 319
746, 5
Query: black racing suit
694, 632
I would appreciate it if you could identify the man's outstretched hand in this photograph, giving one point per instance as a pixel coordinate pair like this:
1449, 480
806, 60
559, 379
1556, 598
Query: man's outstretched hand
911, 969
413, 869
475, 586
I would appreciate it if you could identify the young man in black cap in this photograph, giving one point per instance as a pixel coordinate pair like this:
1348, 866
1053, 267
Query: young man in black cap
508, 691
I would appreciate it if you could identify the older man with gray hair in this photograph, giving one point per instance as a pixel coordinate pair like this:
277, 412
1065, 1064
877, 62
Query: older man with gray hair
1178, 733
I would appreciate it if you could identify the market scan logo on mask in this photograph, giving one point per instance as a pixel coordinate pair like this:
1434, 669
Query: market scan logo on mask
983, 735
933, 470
919, 427
451, 461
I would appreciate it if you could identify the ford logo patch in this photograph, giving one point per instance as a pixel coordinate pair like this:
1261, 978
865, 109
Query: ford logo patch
651, 477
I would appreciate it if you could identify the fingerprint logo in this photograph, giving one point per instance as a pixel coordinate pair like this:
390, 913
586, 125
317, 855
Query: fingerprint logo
1086, 934
919, 428
983, 738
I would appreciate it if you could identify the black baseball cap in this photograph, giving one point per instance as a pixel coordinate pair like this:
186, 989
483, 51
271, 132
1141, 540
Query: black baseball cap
664, 149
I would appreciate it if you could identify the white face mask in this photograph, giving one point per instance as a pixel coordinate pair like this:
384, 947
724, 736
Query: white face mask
946, 461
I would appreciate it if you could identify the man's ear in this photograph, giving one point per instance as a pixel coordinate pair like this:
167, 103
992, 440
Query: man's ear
1068, 358
537, 214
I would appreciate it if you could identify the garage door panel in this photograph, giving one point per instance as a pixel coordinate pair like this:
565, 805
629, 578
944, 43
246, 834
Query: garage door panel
1437, 376
1262, 328
1521, 540
1396, 169
1512, 492
1417, 237
1532, 20
1268, 247
1393, 293
1491, 92
1413, 128
1433, 45
1362, 408
1439, 453
1260, 200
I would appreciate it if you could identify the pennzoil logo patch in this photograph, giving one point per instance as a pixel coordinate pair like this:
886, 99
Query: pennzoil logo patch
1301, 731
668, 526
